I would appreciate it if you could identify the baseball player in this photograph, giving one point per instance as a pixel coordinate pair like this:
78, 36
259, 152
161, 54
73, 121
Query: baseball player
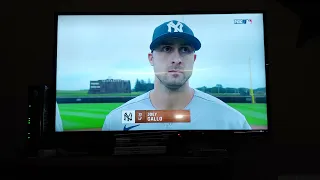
59, 126
172, 57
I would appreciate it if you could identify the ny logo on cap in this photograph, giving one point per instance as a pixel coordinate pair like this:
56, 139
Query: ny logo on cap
177, 27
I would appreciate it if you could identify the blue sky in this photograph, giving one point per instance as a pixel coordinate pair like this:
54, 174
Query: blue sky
101, 47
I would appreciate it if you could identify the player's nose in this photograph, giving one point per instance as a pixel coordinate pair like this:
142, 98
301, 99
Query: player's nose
176, 57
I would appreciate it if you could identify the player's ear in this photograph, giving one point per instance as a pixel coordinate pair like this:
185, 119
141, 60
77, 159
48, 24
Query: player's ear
194, 57
150, 57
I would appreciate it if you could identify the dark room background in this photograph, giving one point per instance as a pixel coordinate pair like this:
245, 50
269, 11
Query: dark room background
29, 39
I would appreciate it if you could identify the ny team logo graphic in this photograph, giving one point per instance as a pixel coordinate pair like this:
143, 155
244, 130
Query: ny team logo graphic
128, 117
177, 27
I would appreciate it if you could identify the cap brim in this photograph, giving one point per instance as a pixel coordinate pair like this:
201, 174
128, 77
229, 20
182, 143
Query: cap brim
193, 41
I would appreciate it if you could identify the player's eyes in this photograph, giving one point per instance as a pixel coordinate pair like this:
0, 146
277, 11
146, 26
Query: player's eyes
185, 50
166, 49
169, 49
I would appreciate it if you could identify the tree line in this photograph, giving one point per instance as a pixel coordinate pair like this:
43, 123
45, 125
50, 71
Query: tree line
219, 89
143, 86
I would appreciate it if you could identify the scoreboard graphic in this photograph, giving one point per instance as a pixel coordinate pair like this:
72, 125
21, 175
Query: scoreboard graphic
155, 116
110, 86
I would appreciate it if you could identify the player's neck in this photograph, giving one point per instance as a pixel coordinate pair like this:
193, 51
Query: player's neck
164, 98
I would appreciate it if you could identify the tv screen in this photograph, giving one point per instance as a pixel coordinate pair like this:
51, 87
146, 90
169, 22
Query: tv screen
160, 72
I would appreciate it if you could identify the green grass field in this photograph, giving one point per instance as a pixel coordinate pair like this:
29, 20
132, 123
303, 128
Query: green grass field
90, 116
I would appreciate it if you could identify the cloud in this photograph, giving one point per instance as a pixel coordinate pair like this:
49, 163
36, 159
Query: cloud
135, 72
142, 72
203, 69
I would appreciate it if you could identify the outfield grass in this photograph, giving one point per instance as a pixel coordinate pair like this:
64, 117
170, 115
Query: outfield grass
90, 116
256, 114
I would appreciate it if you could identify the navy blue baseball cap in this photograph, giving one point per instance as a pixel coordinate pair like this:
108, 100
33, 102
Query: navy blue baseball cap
174, 29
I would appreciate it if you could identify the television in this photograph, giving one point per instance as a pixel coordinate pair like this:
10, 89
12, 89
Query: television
161, 72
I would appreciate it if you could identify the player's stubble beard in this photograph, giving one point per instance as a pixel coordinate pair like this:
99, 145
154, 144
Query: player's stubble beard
173, 86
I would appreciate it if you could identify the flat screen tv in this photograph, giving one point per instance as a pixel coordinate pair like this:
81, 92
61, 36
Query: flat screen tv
190, 72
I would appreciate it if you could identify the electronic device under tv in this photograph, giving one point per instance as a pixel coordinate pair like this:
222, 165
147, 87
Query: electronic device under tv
183, 73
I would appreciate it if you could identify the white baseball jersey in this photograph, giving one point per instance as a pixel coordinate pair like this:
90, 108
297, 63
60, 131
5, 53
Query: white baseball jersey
59, 126
207, 113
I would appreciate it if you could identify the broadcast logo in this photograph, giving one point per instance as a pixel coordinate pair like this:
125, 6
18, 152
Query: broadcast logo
243, 21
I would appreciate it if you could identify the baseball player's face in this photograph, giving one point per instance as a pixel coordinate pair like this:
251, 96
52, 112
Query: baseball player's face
173, 63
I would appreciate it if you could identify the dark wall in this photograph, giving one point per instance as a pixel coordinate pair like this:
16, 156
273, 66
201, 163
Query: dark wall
29, 38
